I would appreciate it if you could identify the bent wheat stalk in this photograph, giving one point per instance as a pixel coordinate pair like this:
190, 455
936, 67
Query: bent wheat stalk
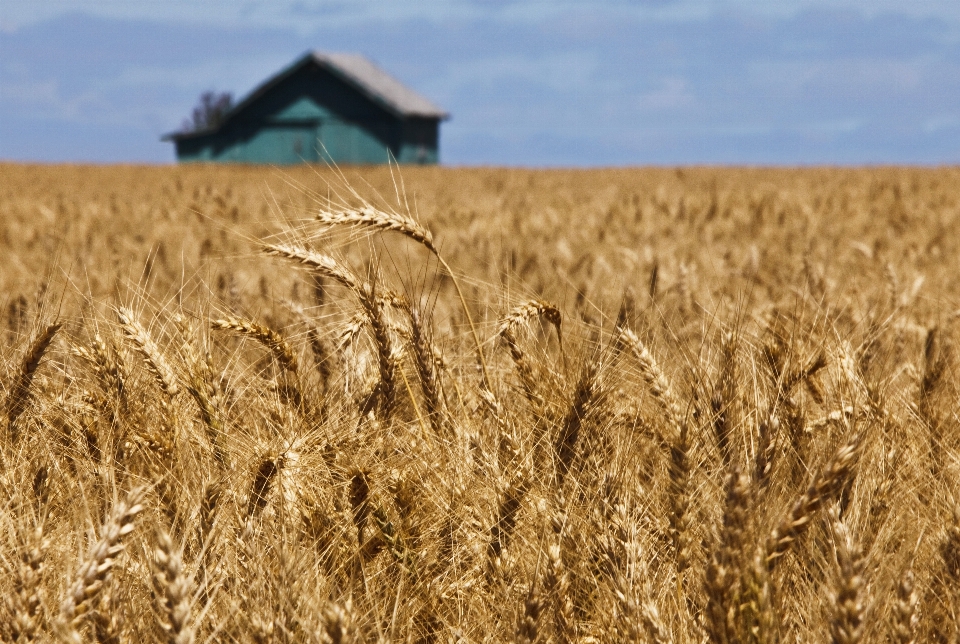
317, 262
533, 308
827, 483
20, 391
156, 363
410, 228
266, 336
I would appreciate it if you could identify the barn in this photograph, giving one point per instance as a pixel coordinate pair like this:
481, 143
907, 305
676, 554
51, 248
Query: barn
323, 107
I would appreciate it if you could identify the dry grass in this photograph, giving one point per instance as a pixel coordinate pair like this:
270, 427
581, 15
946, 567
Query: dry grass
621, 405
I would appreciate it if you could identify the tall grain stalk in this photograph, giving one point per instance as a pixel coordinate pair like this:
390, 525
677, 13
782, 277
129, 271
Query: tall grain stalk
825, 486
174, 592
20, 390
585, 398
389, 221
153, 358
95, 569
847, 624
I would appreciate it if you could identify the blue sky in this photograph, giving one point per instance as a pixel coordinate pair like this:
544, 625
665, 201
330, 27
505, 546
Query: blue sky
535, 83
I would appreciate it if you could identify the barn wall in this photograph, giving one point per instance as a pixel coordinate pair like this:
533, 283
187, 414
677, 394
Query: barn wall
312, 116
419, 141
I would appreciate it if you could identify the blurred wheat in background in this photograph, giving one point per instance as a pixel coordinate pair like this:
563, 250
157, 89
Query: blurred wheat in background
479, 405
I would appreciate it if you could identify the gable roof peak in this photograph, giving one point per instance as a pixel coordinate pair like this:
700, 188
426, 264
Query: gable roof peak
377, 83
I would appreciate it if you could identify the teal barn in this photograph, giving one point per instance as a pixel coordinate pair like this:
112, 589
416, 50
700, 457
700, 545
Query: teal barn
324, 107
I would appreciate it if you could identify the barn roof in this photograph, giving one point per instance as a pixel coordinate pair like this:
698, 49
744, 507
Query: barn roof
380, 84
356, 70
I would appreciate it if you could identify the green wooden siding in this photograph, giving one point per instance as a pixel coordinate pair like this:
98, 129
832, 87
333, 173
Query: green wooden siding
313, 116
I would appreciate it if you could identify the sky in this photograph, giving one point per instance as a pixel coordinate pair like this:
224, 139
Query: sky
528, 83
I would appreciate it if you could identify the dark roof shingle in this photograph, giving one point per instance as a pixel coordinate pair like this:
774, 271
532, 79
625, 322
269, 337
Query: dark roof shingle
380, 84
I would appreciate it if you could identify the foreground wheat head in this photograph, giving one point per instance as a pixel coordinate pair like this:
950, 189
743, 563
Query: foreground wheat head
711, 410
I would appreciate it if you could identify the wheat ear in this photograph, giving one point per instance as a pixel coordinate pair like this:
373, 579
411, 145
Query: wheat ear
557, 584
386, 361
338, 624
326, 266
656, 630
905, 611
380, 220
407, 226
318, 347
846, 627
724, 401
825, 485
266, 336
174, 591
20, 390
266, 473
679, 445
506, 520
528, 627
96, 567
726, 563
523, 313
318, 263
201, 389
107, 365
656, 380
26, 601
508, 332
584, 400
426, 369
156, 363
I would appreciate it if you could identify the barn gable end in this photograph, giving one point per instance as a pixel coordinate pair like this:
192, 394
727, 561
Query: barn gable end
335, 107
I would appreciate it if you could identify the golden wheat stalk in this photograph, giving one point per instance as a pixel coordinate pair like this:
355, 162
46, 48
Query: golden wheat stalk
425, 358
525, 372
319, 263
386, 360
846, 627
266, 336
107, 366
338, 624
905, 611
653, 622
408, 227
174, 592
380, 220
503, 526
95, 569
266, 473
528, 626
523, 313
26, 603
656, 380
20, 390
724, 402
156, 363
557, 585
726, 563
585, 399
825, 485
326, 266
202, 391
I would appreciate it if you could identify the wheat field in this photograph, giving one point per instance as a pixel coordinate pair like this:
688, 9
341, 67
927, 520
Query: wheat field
479, 405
